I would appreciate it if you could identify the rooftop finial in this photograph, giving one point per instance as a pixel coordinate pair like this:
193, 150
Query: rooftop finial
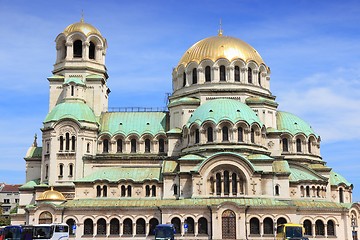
35, 142
82, 16
220, 32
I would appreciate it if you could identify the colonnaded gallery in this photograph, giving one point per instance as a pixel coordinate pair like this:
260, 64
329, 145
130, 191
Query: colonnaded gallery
220, 162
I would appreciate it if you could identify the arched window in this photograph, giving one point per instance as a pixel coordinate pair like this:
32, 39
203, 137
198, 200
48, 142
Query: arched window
61, 143
67, 141
249, 75
280, 221
46, 171
259, 77
177, 223
226, 183
298, 145
129, 191
45, 218
133, 145
184, 79
88, 147
309, 146
175, 189
330, 228
212, 185
147, 145
285, 145
218, 184
341, 195
140, 226
72, 91
127, 227
194, 76
202, 226
207, 74
101, 227
234, 183
71, 170
105, 191
105, 146
240, 134
92, 51
225, 134
222, 73
88, 227
268, 226
114, 226
319, 228
307, 191
153, 223
77, 49
252, 136
308, 227
197, 136
71, 222
237, 74
277, 190
153, 191
147, 190
119, 147
210, 134
98, 191
73, 143
123, 191
61, 170
254, 226
191, 224
161, 145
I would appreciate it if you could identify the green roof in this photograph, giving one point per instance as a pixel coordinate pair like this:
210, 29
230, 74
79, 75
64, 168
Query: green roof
115, 174
192, 157
281, 166
30, 184
169, 166
336, 179
223, 109
184, 101
75, 110
175, 130
297, 174
133, 123
261, 100
34, 152
202, 202
259, 157
287, 122
75, 80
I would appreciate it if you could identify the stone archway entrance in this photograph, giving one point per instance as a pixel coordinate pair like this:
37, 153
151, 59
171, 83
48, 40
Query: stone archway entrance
228, 225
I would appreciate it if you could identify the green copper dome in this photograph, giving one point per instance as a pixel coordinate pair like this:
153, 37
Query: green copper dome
75, 110
287, 122
218, 110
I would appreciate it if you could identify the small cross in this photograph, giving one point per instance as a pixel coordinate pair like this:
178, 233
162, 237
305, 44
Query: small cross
113, 192
254, 184
138, 192
199, 185
293, 192
86, 192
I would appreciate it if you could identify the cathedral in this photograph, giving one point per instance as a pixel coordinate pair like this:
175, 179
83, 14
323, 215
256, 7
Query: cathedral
220, 162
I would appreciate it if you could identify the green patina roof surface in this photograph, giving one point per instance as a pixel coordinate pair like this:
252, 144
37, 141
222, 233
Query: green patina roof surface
297, 174
75, 110
259, 157
281, 166
75, 80
175, 130
34, 152
30, 184
136, 174
250, 100
133, 123
223, 109
287, 122
336, 179
169, 166
192, 157
204, 202
184, 100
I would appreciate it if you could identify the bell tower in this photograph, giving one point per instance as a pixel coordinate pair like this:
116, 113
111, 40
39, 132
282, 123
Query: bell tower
80, 58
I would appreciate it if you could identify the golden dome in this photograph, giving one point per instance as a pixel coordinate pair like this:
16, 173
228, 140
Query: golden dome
83, 27
51, 195
214, 48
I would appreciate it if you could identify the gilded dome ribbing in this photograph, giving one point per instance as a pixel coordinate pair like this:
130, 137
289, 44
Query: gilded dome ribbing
214, 48
83, 27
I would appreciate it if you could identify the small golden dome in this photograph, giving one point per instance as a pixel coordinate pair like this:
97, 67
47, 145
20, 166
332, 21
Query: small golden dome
51, 195
214, 48
83, 27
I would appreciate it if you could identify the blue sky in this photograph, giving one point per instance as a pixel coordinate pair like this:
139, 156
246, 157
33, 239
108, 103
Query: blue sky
312, 48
